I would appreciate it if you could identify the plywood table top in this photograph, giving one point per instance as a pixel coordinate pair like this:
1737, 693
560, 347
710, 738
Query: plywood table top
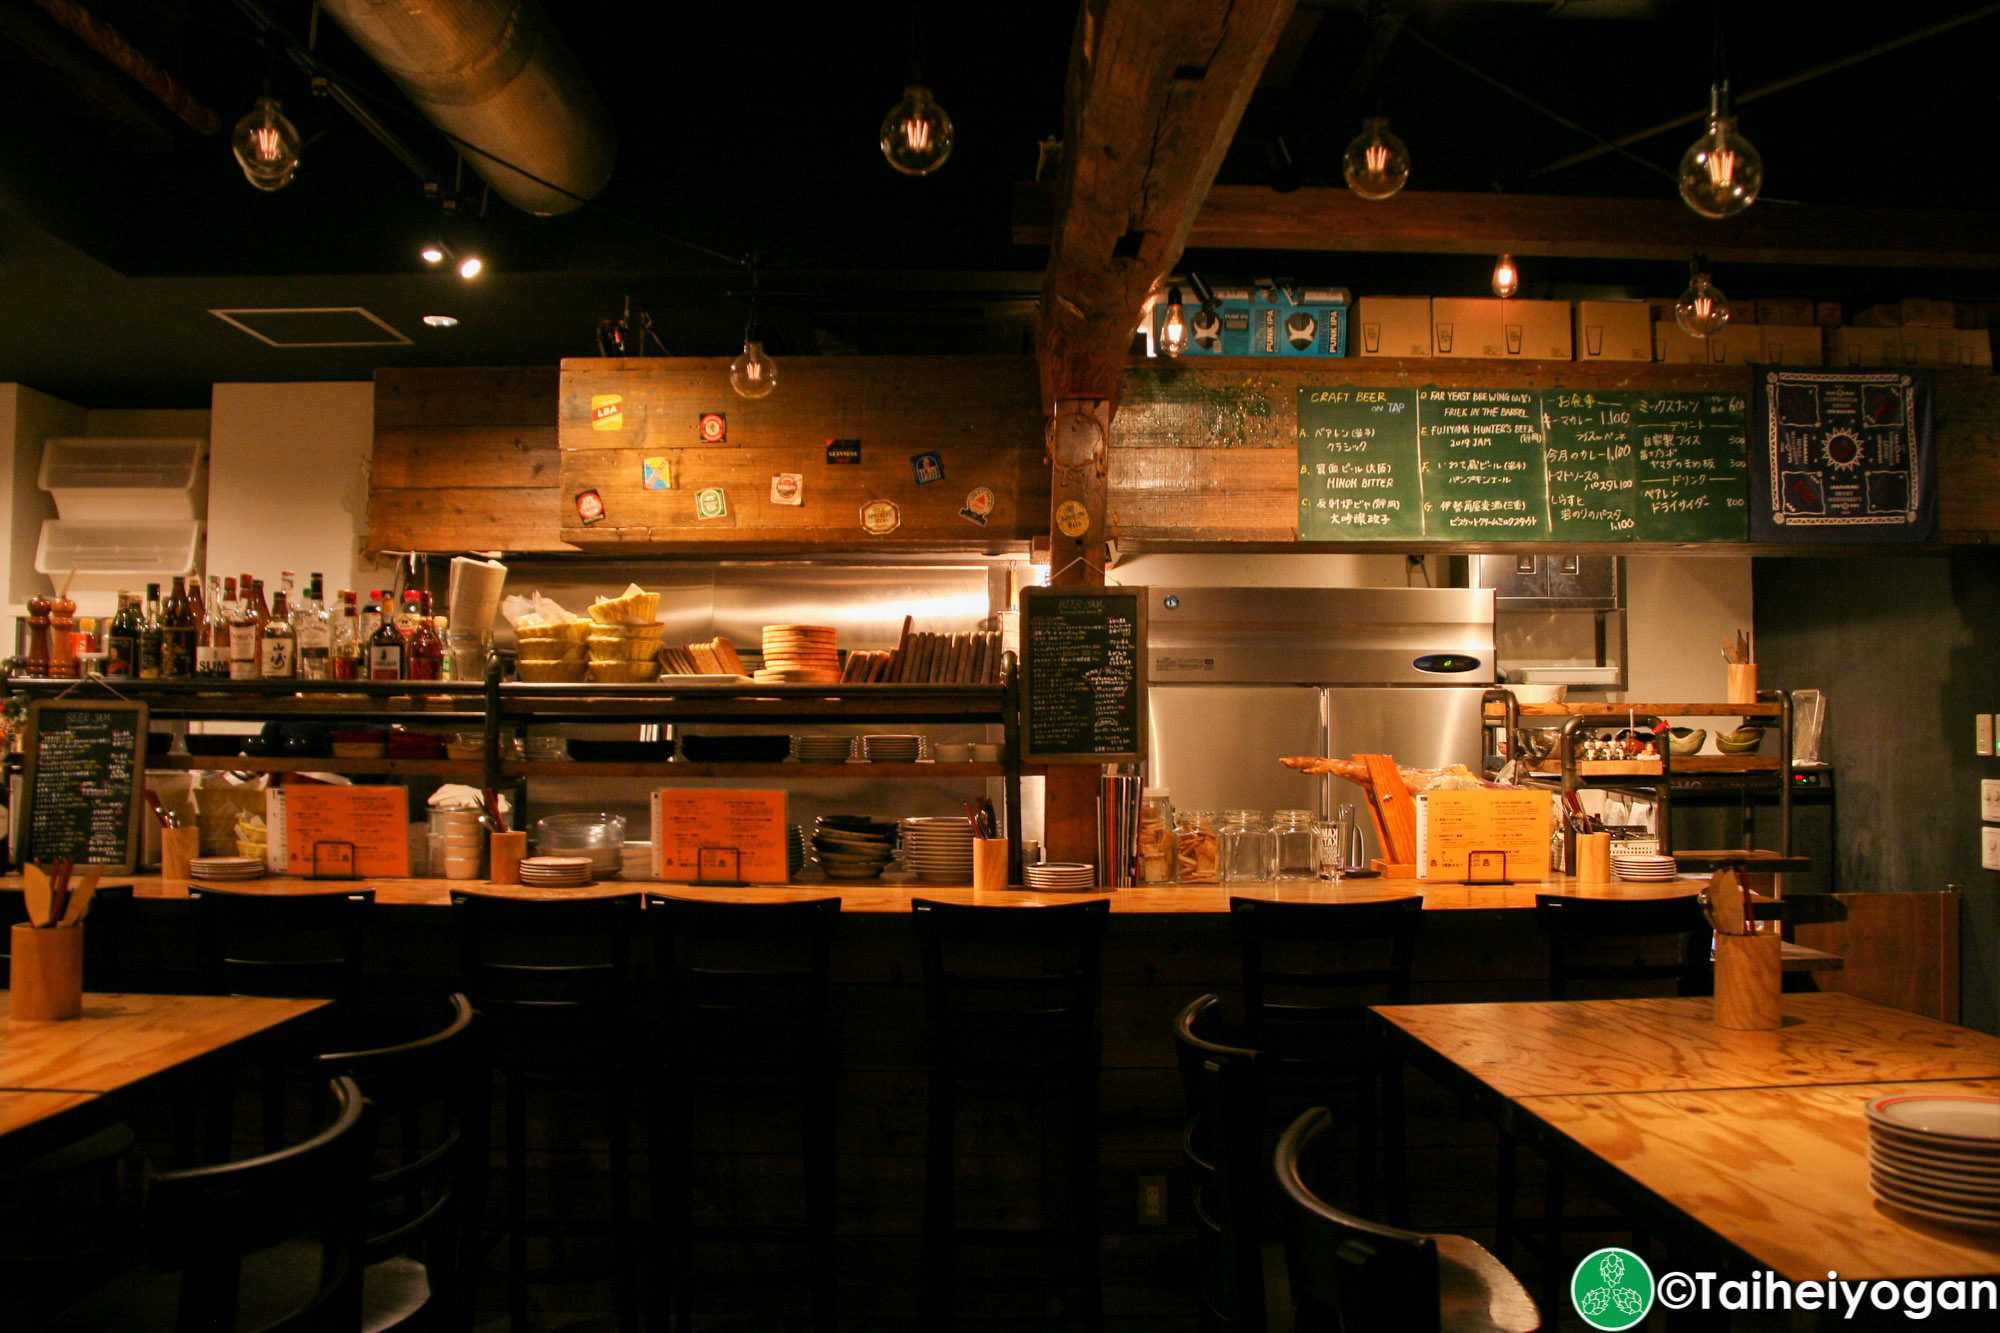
1780, 1173
20, 1108
889, 896
125, 1039
1567, 1048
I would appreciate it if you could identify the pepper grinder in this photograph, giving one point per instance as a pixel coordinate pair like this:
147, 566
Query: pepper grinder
38, 635
62, 638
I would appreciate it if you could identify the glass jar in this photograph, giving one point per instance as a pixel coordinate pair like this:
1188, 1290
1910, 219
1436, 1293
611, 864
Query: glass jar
1243, 847
1157, 854
1195, 847
1292, 844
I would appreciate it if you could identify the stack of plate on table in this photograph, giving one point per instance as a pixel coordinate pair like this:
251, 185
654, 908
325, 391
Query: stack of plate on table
555, 872
799, 654
226, 867
1629, 865
795, 849
597, 839
852, 846
823, 749
1060, 875
892, 749
1937, 1156
939, 850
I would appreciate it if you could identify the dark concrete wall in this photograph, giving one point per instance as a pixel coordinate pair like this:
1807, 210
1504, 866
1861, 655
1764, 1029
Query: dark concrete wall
1907, 649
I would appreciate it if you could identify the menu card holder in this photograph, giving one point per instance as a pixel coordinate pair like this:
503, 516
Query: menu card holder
719, 865
46, 973
1747, 977
1486, 868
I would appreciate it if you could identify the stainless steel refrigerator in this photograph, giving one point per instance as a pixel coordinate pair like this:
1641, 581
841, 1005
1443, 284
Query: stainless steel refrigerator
1240, 677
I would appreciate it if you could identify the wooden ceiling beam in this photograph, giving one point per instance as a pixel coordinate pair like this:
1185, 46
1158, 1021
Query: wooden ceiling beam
1251, 217
1155, 91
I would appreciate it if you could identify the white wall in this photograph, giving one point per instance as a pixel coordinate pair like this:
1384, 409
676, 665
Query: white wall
1678, 612
1283, 570
288, 480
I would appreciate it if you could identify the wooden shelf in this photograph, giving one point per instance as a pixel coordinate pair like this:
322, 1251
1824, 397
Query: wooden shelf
679, 768
243, 763
1499, 710
1683, 765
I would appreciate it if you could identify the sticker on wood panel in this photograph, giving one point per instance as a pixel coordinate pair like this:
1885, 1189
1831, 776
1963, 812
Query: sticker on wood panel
843, 452
589, 507
879, 518
788, 488
1072, 518
607, 411
713, 427
710, 502
979, 502
656, 474
927, 467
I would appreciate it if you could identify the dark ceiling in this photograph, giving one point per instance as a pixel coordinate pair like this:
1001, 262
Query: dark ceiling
747, 127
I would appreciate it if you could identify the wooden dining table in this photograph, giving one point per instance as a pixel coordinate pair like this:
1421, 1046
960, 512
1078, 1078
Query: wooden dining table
61, 1079
1745, 1148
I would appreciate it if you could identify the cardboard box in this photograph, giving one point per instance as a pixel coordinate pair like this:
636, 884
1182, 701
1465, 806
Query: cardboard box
1393, 326
1787, 344
1308, 321
1786, 310
1484, 326
1918, 345
1221, 331
1614, 331
1865, 347
1261, 319
1735, 344
1926, 313
1826, 314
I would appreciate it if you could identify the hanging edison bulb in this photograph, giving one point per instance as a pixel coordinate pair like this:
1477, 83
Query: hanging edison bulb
266, 146
1720, 172
1506, 277
1376, 163
753, 374
1174, 329
916, 134
1702, 309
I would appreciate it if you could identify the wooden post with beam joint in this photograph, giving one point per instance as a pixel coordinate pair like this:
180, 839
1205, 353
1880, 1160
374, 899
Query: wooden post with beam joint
1154, 93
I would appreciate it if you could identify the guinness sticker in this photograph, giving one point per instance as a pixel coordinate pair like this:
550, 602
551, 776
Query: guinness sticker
843, 451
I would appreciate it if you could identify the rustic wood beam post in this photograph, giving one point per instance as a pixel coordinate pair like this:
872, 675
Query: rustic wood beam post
1155, 91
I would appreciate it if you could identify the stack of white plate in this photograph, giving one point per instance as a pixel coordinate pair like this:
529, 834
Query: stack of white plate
597, 837
892, 749
1629, 865
226, 867
939, 850
823, 749
1938, 1157
795, 849
555, 872
1060, 875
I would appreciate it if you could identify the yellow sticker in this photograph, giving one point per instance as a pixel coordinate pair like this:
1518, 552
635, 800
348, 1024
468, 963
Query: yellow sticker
880, 517
1072, 519
607, 411
657, 474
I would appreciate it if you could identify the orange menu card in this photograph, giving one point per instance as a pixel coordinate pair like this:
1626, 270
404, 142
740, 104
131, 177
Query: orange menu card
1452, 825
376, 820
714, 836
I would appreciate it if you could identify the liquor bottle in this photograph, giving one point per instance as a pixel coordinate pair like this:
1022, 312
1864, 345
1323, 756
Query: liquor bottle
277, 641
204, 646
406, 616
388, 655
243, 632
344, 647
371, 617
314, 634
221, 617
121, 641
149, 635
426, 648
177, 634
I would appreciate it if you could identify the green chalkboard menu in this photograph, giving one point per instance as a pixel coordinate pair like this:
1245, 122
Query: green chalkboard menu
81, 778
1082, 697
1498, 465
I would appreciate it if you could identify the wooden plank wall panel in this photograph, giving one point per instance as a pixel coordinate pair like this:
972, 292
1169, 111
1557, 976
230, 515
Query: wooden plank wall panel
1205, 453
465, 460
1898, 949
980, 413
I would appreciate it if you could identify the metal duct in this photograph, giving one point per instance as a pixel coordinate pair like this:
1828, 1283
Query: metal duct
496, 75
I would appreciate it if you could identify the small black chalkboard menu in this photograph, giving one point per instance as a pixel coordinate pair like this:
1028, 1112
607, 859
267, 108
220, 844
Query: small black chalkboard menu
81, 782
1083, 699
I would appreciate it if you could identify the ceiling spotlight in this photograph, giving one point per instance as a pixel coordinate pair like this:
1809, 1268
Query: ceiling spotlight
1376, 164
1720, 172
433, 252
753, 374
266, 146
916, 134
470, 266
1702, 309
1174, 331
441, 321
1506, 277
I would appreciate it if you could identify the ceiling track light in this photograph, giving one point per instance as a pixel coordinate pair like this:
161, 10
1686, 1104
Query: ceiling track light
1506, 277
437, 248
1720, 173
266, 145
1376, 164
1702, 309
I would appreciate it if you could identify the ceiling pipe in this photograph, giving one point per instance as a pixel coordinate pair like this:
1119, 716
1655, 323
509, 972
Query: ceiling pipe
499, 80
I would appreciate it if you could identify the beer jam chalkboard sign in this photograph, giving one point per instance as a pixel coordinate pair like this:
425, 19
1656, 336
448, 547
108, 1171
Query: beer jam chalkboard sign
1520, 465
1083, 699
81, 782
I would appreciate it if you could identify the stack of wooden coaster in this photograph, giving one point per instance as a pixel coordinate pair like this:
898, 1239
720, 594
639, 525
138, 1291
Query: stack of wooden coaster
799, 654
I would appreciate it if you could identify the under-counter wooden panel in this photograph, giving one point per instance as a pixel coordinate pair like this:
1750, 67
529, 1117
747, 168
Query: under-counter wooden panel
979, 413
1901, 948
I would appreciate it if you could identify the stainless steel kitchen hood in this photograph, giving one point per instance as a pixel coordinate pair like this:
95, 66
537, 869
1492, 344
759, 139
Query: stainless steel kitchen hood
1320, 636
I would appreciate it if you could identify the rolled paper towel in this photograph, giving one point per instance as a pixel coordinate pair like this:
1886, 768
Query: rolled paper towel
476, 586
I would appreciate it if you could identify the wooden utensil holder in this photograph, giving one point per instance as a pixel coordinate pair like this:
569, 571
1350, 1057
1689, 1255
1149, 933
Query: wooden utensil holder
1747, 977
1742, 683
46, 973
178, 847
1593, 858
503, 857
989, 863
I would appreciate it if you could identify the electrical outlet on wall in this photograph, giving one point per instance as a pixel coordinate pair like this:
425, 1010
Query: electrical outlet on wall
1989, 848
1989, 800
1152, 1201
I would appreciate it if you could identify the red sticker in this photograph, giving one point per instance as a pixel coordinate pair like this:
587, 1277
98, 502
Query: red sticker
714, 427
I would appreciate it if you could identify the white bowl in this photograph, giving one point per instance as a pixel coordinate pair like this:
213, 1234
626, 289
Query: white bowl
461, 867
1538, 694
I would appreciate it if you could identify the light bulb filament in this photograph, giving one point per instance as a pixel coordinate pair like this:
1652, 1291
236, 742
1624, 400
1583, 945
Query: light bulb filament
1721, 168
1378, 158
917, 134
268, 144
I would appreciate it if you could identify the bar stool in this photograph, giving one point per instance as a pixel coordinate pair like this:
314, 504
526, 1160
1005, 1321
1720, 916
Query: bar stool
1614, 942
1011, 1001
552, 980
1222, 1148
1310, 971
741, 991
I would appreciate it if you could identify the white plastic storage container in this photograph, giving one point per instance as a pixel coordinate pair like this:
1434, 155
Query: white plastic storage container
127, 480
108, 557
